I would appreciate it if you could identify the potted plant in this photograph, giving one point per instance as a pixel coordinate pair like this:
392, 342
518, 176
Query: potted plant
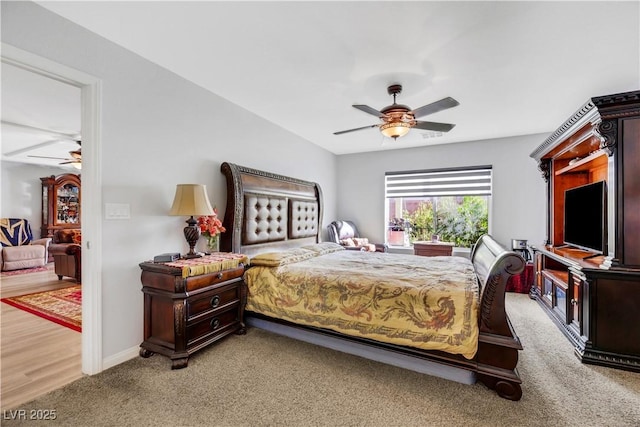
398, 232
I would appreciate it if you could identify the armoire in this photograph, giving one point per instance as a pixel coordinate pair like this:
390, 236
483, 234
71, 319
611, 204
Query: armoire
587, 272
60, 203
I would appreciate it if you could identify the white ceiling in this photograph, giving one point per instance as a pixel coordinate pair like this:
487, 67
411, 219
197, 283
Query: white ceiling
40, 117
515, 67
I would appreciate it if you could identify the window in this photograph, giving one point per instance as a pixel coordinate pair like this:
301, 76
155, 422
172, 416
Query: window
452, 204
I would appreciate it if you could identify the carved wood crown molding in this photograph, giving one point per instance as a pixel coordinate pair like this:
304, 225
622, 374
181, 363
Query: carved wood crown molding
597, 111
617, 99
586, 113
608, 131
544, 166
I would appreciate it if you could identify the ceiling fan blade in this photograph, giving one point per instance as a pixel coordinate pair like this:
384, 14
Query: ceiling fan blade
352, 130
369, 110
434, 126
434, 107
53, 158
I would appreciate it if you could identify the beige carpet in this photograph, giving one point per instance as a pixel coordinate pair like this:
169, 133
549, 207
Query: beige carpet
265, 380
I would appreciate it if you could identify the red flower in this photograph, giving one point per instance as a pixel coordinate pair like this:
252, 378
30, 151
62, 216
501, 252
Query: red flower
210, 225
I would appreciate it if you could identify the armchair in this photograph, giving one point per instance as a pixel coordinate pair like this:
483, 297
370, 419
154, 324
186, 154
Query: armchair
346, 234
64, 238
69, 262
19, 250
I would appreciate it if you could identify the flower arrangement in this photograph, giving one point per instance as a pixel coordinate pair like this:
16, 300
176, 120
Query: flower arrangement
211, 227
400, 224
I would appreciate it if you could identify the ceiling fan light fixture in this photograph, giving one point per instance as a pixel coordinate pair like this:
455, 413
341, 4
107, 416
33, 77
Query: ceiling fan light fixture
395, 129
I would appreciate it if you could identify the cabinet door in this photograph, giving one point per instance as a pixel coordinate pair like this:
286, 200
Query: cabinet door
575, 304
538, 280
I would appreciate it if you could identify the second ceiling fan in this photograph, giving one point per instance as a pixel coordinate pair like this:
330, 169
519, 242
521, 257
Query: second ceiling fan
397, 119
75, 160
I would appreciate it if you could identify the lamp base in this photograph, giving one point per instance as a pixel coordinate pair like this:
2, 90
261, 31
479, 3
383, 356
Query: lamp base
192, 234
193, 255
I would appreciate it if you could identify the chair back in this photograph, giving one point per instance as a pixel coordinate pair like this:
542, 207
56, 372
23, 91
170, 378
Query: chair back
342, 230
15, 232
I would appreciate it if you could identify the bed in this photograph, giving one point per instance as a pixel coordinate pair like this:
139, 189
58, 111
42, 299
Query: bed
460, 330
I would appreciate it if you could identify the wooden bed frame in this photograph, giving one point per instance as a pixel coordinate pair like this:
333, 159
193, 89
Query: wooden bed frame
269, 212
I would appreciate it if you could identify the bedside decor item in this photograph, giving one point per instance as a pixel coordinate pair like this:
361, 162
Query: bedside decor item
168, 257
191, 199
211, 227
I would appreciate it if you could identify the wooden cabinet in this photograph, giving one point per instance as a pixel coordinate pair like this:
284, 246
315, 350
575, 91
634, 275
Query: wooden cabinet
184, 315
432, 248
593, 294
61, 198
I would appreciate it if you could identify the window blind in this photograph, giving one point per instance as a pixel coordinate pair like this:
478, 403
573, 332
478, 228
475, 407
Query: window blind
452, 182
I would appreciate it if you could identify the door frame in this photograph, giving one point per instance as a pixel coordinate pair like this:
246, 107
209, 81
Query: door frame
90, 128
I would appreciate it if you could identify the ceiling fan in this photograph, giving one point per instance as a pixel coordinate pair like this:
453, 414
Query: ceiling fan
397, 119
75, 157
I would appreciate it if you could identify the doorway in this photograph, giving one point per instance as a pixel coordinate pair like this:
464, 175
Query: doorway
90, 87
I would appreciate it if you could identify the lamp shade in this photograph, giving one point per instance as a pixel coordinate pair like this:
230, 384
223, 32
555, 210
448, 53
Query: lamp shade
191, 199
395, 129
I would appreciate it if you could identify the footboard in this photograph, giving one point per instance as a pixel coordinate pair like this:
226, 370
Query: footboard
498, 344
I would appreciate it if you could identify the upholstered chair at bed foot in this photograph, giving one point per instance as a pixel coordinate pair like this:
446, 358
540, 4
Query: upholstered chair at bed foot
346, 234
19, 249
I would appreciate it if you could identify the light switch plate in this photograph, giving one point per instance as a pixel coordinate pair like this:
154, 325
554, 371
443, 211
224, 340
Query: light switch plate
117, 211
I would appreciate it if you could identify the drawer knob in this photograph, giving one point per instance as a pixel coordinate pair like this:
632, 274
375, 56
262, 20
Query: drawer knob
215, 301
219, 275
215, 322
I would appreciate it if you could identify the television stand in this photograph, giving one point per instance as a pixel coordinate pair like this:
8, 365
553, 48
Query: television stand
596, 309
592, 297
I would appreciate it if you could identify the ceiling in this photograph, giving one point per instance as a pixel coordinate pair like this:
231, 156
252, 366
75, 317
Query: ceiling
516, 68
40, 118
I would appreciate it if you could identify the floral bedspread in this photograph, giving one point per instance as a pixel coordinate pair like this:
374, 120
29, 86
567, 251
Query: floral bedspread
425, 302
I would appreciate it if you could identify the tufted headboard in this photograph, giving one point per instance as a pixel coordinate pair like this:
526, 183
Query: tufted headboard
269, 212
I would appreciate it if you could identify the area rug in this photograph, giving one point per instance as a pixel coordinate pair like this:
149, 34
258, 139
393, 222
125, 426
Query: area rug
62, 306
24, 271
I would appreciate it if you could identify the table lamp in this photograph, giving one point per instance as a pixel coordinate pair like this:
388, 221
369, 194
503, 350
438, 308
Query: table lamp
191, 199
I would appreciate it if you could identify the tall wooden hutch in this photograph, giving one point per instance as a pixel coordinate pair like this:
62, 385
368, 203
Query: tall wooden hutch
60, 203
594, 295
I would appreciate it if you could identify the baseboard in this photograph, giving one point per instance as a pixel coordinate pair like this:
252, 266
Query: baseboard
118, 358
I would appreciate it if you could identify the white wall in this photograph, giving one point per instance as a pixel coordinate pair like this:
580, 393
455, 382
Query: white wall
22, 191
158, 130
518, 199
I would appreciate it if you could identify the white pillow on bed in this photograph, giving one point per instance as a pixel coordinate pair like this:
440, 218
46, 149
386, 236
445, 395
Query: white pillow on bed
275, 259
324, 248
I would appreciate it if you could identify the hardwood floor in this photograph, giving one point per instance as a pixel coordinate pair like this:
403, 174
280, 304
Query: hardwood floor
37, 355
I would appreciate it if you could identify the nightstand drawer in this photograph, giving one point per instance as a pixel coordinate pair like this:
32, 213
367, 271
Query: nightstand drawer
200, 305
198, 282
212, 325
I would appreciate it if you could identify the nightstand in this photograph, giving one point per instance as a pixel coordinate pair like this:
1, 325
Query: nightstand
432, 248
188, 305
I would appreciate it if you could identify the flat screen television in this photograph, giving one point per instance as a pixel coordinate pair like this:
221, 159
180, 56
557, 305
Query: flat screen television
585, 223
